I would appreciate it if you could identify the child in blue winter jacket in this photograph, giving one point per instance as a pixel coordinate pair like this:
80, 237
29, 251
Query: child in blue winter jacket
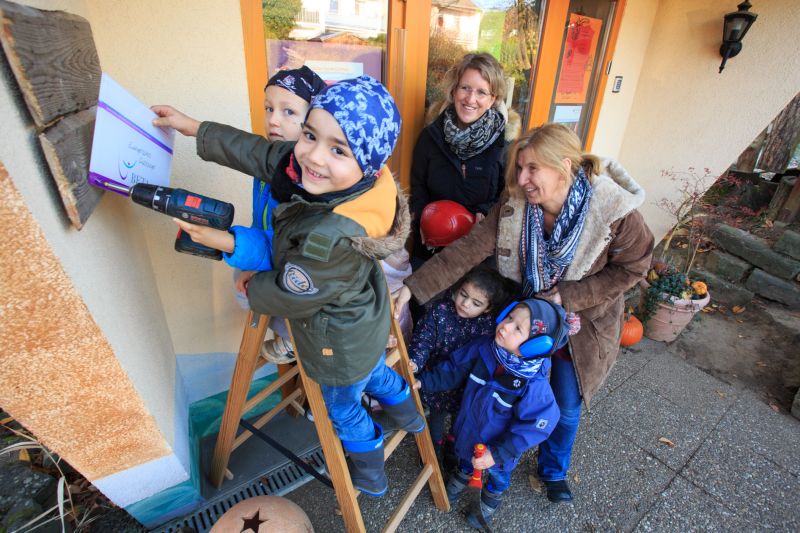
287, 97
508, 404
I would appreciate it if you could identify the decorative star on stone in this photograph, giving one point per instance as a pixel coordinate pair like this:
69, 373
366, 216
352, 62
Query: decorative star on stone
252, 523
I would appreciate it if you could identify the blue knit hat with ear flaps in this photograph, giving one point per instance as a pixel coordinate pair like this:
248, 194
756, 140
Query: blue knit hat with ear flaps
368, 116
544, 320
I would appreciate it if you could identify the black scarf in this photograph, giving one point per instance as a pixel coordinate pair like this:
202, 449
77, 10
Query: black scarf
476, 137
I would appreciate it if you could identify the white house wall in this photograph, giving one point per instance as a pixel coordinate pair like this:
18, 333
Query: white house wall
684, 113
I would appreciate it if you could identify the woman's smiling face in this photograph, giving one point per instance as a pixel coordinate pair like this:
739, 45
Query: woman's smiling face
541, 185
472, 97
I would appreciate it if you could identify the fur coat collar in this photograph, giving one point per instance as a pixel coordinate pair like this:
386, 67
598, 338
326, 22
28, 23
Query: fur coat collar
615, 194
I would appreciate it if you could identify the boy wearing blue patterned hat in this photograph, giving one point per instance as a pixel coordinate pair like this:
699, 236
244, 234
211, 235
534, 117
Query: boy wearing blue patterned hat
339, 212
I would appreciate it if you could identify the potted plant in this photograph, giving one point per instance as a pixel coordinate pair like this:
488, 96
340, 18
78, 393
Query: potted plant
669, 298
669, 301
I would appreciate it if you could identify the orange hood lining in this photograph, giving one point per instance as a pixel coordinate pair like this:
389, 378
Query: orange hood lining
375, 209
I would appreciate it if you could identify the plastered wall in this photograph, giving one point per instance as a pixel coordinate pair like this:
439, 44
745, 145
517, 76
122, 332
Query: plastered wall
106, 266
147, 300
684, 113
189, 54
634, 36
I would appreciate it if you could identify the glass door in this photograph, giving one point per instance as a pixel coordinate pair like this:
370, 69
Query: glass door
507, 29
581, 62
338, 39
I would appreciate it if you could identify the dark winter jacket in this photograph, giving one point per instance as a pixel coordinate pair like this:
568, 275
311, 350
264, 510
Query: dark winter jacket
438, 174
327, 279
613, 254
510, 419
437, 334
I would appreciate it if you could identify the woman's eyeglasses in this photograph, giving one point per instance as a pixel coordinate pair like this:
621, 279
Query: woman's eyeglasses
480, 94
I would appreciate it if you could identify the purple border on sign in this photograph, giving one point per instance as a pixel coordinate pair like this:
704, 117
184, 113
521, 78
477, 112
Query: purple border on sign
133, 126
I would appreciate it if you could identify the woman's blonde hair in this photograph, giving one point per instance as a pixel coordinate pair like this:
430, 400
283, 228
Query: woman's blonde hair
552, 143
489, 68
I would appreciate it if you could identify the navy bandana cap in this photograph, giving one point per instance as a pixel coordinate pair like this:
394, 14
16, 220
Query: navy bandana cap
302, 82
368, 116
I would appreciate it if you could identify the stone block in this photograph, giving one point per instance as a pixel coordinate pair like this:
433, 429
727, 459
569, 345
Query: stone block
789, 244
774, 288
722, 291
796, 405
756, 251
727, 266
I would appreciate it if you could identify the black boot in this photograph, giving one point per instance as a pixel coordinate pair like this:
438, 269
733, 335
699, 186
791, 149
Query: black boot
399, 412
490, 502
365, 463
558, 491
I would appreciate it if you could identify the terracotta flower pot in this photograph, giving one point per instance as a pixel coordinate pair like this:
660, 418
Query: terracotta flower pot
671, 317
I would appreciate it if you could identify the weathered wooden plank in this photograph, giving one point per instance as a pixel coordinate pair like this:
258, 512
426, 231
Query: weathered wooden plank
54, 60
68, 149
785, 187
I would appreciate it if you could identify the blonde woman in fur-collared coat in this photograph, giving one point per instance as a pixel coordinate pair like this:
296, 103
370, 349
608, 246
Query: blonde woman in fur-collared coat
567, 228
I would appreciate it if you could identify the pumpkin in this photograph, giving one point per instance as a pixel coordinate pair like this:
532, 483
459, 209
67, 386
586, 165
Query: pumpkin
700, 288
632, 331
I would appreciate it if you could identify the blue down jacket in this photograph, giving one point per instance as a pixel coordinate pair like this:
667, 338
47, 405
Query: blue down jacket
508, 420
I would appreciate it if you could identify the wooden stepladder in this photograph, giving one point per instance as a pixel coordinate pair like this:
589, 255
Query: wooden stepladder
237, 404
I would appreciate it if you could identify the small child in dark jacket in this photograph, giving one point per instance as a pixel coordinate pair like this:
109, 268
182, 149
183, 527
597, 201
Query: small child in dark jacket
508, 404
448, 324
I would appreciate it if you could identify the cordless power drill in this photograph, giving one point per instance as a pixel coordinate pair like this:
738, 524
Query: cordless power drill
188, 206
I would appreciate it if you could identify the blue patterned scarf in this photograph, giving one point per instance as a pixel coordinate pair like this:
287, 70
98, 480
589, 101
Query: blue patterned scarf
546, 260
522, 368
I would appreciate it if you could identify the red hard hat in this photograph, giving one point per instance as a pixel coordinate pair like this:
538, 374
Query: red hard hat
443, 222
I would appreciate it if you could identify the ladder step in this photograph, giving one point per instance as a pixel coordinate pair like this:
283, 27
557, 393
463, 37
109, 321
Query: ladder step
401, 510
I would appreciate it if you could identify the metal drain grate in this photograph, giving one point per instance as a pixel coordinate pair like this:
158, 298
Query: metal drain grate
278, 482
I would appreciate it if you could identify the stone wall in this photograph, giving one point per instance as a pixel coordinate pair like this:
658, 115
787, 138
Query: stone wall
744, 265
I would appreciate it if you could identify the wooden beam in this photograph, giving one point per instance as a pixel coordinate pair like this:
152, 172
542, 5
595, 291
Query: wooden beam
67, 147
54, 60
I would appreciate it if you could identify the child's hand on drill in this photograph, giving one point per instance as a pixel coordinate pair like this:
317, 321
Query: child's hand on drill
483, 462
169, 117
214, 238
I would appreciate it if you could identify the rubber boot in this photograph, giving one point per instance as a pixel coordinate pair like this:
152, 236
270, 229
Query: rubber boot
490, 502
365, 463
399, 412
456, 485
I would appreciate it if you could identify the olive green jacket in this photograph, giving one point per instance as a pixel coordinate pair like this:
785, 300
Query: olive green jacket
327, 279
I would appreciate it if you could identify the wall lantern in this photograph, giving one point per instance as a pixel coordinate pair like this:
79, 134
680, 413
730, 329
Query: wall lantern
736, 26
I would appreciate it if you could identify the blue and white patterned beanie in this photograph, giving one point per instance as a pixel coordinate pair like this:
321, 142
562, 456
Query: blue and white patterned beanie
368, 116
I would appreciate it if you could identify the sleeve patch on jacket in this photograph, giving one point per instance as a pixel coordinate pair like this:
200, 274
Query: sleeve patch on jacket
541, 423
318, 246
297, 280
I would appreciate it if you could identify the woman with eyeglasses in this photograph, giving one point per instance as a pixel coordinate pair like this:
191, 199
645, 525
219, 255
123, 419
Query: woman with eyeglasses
459, 154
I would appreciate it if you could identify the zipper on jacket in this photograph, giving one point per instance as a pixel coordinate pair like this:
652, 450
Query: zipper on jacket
463, 169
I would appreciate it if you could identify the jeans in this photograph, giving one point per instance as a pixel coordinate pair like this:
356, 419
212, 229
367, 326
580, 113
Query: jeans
349, 418
556, 452
498, 480
436, 421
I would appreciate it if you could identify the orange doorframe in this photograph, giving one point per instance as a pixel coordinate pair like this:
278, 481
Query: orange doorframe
544, 80
255, 59
407, 66
549, 55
